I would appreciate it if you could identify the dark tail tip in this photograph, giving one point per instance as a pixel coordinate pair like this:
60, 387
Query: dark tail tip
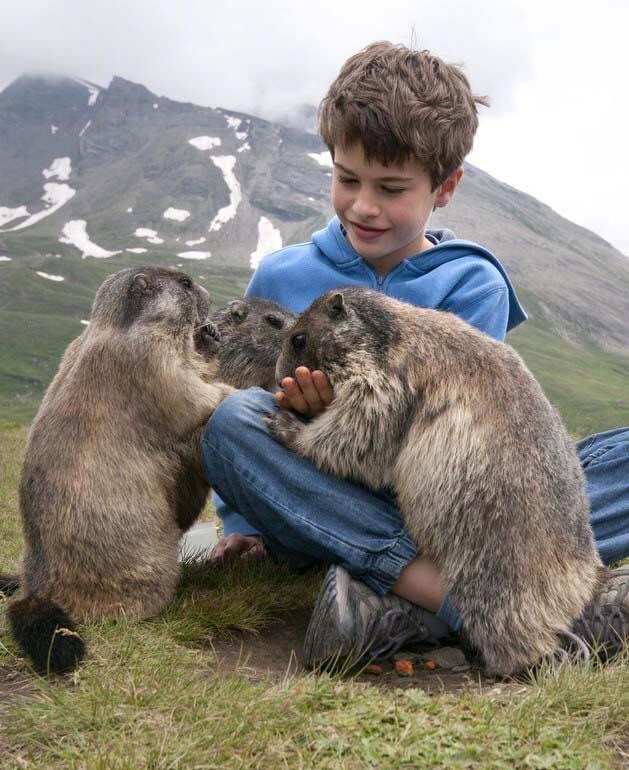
9, 583
46, 634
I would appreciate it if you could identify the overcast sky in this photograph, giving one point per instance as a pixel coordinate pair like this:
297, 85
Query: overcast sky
557, 71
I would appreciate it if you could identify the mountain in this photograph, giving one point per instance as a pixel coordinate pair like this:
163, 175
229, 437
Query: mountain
93, 178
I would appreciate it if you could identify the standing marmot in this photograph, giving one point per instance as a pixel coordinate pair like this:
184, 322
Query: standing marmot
485, 475
112, 471
251, 332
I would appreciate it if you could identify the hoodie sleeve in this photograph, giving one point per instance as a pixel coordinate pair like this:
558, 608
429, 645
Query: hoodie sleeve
479, 294
489, 312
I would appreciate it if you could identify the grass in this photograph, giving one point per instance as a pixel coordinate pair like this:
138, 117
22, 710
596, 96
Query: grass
39, 318
588, 385
152, 694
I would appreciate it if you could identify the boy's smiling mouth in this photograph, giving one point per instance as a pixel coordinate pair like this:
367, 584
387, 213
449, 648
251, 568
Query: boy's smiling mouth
366, 233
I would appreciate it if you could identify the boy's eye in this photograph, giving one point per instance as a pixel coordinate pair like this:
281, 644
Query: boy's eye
393, 190
347, 180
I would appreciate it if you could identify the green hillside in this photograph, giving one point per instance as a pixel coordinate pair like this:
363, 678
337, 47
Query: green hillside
40, 317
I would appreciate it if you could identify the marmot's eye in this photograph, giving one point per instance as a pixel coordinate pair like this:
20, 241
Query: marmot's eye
298, 341
275, 321
186, 282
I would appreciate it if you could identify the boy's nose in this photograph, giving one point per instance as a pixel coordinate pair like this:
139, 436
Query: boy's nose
365, 205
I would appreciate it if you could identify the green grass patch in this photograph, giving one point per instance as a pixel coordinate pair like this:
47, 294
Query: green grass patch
39, 317
153, 695
588, 386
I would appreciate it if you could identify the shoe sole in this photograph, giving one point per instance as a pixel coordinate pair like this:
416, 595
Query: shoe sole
334, 589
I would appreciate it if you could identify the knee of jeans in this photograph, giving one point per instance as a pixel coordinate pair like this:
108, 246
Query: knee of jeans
238, 412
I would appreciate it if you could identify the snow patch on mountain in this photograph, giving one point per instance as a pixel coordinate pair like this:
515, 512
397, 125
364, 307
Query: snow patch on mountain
205, 143
234, 123
226, 164
60, 167
180, 215
322, 158
150, 235
195, 254
7, 214
269, 239
94, 92
49, 277
75, 233
55, 195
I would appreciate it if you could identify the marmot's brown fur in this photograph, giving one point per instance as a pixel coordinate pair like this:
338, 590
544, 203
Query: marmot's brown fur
112, 472
485, 474
250, 333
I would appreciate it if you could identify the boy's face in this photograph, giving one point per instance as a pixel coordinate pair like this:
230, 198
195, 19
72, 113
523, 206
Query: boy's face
385, 209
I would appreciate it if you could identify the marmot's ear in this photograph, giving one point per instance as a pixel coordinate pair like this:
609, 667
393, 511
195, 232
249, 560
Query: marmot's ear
141, 284
238, 310
336, 306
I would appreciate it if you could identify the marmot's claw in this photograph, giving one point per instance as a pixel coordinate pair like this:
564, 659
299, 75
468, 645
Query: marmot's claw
213, 330
284, 426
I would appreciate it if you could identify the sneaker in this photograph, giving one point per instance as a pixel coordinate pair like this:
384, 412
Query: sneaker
604, 624
352, 624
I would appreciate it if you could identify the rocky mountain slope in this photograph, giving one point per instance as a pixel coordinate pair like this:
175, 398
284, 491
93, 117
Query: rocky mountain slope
94, 178
90, 171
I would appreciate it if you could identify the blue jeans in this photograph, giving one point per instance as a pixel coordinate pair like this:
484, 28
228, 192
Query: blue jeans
306, 516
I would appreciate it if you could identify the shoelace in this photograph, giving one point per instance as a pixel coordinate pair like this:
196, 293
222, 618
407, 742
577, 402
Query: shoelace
608, 626
388, 633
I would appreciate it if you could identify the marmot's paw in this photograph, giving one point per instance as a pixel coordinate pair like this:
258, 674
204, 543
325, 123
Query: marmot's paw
207, 339
213, 331
285, 426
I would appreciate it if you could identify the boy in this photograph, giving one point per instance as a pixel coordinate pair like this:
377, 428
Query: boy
398, 124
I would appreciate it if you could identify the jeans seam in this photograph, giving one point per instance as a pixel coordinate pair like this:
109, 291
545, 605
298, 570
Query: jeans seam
598, 455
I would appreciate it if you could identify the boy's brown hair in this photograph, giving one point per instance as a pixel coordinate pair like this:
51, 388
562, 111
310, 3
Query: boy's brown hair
402, 105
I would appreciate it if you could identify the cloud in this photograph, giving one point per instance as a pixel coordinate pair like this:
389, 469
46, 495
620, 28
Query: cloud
249, 55
555, 70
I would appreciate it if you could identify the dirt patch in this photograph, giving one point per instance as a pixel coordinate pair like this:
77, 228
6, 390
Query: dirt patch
275, 653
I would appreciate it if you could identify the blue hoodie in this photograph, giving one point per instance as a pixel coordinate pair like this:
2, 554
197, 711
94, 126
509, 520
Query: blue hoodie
455, 275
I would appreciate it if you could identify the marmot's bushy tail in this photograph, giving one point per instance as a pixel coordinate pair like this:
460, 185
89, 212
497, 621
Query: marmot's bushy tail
9, 583
46, 634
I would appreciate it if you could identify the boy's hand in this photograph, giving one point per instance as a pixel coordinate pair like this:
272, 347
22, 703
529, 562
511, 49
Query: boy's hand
307, 392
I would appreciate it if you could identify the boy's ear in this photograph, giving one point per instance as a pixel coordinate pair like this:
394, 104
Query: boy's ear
446, 189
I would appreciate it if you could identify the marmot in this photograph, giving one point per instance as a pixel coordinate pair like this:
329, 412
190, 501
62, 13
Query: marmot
112, 472
250, 332
485, 474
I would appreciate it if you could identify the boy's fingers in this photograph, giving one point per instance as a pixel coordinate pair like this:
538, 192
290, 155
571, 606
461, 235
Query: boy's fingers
308, 388
307, 392
322, 384
293, 398
310, 391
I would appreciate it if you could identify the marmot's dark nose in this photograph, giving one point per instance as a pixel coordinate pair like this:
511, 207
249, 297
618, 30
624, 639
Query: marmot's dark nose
298, 341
